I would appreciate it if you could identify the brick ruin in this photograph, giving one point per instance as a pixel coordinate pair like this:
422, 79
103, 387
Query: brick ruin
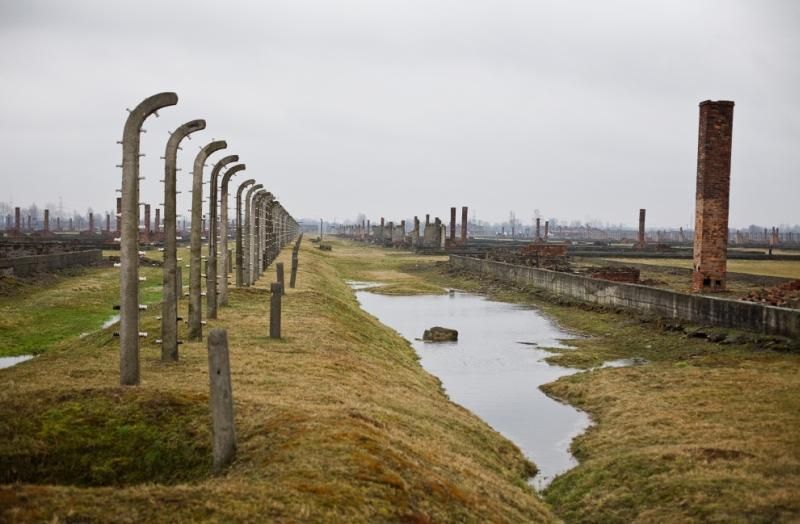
712, 197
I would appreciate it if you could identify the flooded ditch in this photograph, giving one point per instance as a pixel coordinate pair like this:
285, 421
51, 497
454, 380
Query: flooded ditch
494, 370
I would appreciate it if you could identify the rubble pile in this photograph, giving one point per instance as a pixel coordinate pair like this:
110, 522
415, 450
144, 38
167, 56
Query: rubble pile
784, 295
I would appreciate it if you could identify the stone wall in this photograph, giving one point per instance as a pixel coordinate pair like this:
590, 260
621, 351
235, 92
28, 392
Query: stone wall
23, 266
690, 308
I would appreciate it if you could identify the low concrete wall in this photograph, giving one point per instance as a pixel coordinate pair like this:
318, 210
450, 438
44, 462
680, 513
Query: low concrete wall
23, 266
690, 308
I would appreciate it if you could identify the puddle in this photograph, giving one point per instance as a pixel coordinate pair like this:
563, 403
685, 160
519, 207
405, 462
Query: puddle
624, 363
489, 372
7, 362
358, 286
110, 322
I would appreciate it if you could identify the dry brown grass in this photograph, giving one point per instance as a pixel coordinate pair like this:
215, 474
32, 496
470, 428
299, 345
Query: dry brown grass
336, 422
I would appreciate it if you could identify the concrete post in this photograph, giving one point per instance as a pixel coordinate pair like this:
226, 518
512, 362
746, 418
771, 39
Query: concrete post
221, 399
172, 275
247, 234
255, 236
211, 271
239, 233
293, 277
713, 193
275, 310
195, 302
279, 275
223, 217
129, 236
46, 220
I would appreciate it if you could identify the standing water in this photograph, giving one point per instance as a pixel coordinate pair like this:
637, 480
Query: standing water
495, 369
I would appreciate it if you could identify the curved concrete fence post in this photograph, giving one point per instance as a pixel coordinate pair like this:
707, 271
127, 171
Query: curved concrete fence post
223, 218
169, 313
270, 240
129, 237
264, 203
211, 271
239, 231
195, 302
255, 233
248, 227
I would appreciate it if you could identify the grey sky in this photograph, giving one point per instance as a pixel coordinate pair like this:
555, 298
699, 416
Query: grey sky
583, 110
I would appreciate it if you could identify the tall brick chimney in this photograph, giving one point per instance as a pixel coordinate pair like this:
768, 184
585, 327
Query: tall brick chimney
642, 240
464, 210
712, 198
119, 214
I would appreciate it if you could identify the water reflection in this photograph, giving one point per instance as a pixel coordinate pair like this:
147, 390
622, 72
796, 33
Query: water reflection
489, 371
7, 362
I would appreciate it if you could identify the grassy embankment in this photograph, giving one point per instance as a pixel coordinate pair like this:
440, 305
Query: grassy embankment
38, 313
703, 431
336, 422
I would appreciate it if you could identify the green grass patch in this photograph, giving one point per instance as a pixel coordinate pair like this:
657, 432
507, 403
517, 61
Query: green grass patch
104, 437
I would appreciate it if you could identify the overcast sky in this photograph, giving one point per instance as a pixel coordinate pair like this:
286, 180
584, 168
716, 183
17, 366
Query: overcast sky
582, 110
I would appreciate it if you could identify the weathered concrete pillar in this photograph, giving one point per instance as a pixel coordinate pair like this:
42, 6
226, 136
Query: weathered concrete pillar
427, 219
223, 216
452, 224
195, 270
279, 276
546, 229
712, 198
211, 272
146, 222
119, 215
239, 233
293, 277
17, 225
369, 230
157, 228
248, 230
381, 234
221, 399
46, 221
129, 236
464, 210
275, 310
255, 236
91, 222
172, 283
538, 229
